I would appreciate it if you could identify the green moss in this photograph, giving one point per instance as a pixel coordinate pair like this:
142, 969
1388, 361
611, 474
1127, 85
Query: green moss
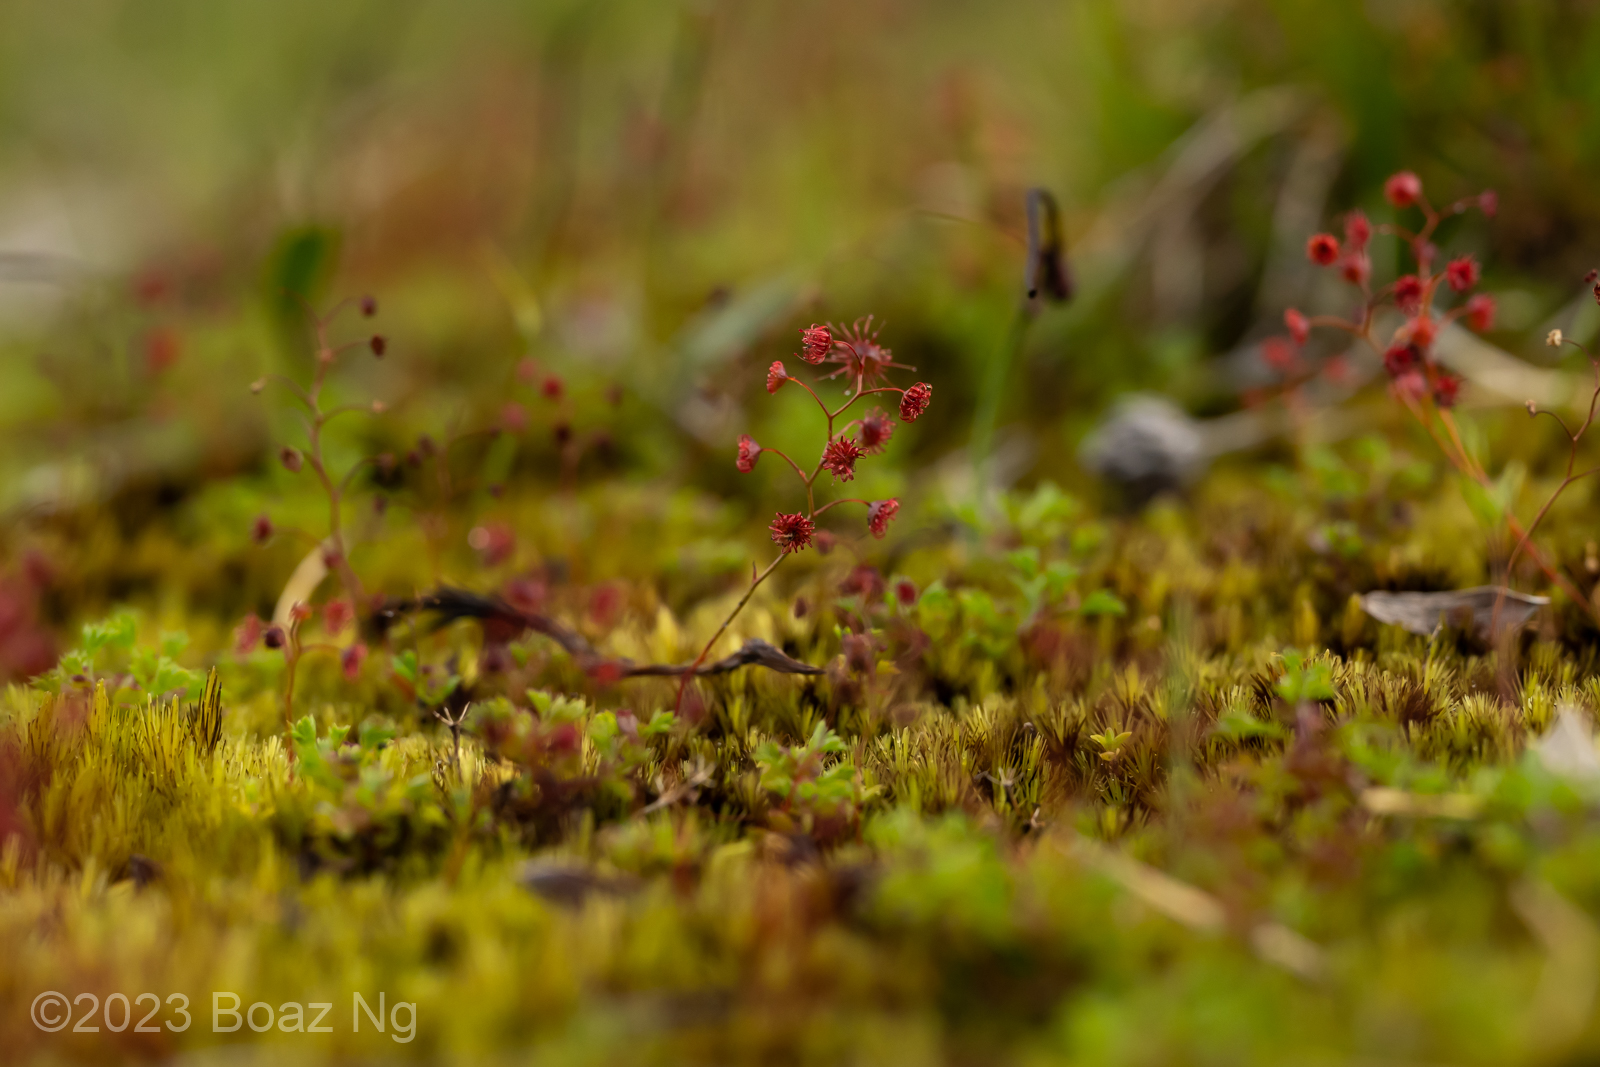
884, 857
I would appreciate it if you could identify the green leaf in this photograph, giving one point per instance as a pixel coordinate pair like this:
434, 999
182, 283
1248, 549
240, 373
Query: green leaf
1111, 741
603, 729
1046, 510
375, 736
1237, 726
304, 731
1481, 503
1301, 683
660, 723
1102, 602
297, 273
405, 665
173, 642
168, 676
1025, 561
1088, 537
1058, 576
936, 610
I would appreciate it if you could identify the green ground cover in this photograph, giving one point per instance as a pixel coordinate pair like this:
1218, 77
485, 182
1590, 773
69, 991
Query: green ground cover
1049, 772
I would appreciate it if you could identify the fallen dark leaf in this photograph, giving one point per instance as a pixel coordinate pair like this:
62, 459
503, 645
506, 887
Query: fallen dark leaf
448, 604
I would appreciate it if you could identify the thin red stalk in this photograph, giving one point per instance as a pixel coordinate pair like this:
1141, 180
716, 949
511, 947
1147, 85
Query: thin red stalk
755, 583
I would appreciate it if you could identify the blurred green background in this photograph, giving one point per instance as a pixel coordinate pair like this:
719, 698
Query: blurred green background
647, 199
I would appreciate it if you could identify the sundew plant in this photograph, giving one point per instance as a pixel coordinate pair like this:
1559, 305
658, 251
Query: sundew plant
473, 590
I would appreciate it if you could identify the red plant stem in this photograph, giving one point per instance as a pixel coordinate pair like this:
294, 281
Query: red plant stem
291, 663
784, 456
689, 674
319, 418
1572, 459
836, 503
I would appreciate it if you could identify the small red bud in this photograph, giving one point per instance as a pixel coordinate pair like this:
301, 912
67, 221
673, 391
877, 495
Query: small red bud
513, 417
1480, 312
776, 376
1322, 249
261, 530
1278, 354
1399, 359
914, 401
247, 635
1408, 293
291, 459
378, 345
880, 513
876, 429
1462, 273
1403, 189
1356, 268
351, 660
1423, 332
1411, 383
369, 306
816, 342
749, 453
1446, 390
1299, 326
336, 615
1357, 231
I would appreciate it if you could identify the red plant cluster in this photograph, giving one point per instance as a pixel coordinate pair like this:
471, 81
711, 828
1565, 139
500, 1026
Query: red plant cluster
858, 355
1416, 379
866, 365
1408, 352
